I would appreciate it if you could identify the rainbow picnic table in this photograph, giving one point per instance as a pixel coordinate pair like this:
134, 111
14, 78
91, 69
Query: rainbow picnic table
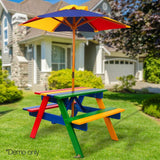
63, 99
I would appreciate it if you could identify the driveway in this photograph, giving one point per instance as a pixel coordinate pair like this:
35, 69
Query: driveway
152, 88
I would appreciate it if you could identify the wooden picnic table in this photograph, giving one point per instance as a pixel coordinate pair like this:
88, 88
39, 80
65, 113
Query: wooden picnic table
63, 99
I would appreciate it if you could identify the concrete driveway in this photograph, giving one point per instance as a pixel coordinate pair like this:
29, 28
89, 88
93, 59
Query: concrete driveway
152, 88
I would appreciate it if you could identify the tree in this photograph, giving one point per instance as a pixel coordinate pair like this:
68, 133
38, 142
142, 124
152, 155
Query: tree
144, 35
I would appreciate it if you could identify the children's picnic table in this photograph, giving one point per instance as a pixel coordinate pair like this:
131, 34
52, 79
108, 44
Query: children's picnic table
63, 99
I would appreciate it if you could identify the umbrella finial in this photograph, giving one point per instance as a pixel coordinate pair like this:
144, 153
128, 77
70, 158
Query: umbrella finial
73, 8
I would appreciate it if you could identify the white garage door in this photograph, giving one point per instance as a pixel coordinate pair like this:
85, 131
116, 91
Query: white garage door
118, 68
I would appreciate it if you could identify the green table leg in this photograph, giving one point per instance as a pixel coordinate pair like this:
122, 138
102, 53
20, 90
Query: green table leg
70, 129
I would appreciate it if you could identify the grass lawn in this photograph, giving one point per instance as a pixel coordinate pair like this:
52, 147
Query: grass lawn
139, 135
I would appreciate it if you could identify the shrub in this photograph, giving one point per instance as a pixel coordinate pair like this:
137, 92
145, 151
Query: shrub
151, 106
8, 91
63, 79
127, 82
152, 69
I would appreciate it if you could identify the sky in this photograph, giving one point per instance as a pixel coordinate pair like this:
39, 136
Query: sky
77, 2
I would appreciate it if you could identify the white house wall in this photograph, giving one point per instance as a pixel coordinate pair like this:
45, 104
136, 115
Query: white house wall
35, 64
99, 67
79, 58
46, 52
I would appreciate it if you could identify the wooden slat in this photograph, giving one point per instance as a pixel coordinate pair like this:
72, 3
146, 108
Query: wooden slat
85, 118
47, 107
36, 108
58, 90
92, 91
65, 91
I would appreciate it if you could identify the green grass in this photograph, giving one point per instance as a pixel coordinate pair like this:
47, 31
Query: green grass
139, 135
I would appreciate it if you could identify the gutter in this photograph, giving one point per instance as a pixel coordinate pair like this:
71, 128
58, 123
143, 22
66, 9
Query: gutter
4, 6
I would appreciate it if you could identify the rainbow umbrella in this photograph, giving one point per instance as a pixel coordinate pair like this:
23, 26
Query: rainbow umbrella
73, 18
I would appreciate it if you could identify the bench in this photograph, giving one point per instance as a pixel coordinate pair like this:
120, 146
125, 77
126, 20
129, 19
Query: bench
88, 117
36, 108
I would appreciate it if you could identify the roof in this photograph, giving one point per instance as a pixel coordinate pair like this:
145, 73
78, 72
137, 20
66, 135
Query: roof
33, 33
120, 53
114, 52
91, 4
37, 7
57, 6
33, 8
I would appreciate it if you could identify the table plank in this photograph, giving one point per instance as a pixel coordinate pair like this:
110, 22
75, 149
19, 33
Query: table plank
59, 90
79, 93
66, 92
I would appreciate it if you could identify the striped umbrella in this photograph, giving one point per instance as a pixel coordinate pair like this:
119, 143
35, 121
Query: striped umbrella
74, 18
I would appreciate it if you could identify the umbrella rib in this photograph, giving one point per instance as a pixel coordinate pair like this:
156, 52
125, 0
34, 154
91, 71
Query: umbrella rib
78, 21
90, 25
87, 21
114, 21
67, 24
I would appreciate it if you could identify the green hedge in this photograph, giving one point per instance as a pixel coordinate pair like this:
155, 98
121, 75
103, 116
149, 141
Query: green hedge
62, 79
151, 106
8, 91
152, 69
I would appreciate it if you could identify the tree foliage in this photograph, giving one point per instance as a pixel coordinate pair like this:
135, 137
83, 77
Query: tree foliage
144, 18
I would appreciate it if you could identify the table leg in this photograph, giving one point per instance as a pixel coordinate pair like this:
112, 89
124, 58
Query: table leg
39, 117
70, 129
107, 121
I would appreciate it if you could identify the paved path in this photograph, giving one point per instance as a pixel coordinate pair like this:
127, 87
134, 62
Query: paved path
152, 88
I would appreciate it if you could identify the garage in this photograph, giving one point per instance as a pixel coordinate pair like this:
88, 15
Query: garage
118, 67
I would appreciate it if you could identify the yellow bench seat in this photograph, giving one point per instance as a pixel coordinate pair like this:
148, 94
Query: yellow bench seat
91, 116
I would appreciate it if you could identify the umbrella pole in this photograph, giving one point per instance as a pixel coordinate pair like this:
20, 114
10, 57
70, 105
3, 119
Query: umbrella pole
73, 66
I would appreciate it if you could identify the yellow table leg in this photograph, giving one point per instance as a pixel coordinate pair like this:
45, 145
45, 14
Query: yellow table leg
107, 121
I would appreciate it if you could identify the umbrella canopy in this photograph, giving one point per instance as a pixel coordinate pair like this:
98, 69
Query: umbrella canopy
74, 18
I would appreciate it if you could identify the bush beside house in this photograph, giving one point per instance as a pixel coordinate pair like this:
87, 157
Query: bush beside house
152, 70
151, 106
62, 79
8, 91
126, 84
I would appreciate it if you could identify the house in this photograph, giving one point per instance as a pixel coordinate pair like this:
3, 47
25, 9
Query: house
30, 54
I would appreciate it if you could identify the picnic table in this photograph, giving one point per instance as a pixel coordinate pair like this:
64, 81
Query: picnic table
63, 99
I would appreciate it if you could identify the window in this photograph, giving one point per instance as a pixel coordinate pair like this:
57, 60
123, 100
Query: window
5, 22
5, 34
116, 62
5, 44
29, 48
58, 58
126, 62
111, 62
121, 62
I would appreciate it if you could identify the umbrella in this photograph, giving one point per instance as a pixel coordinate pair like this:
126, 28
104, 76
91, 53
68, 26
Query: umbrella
74, 18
